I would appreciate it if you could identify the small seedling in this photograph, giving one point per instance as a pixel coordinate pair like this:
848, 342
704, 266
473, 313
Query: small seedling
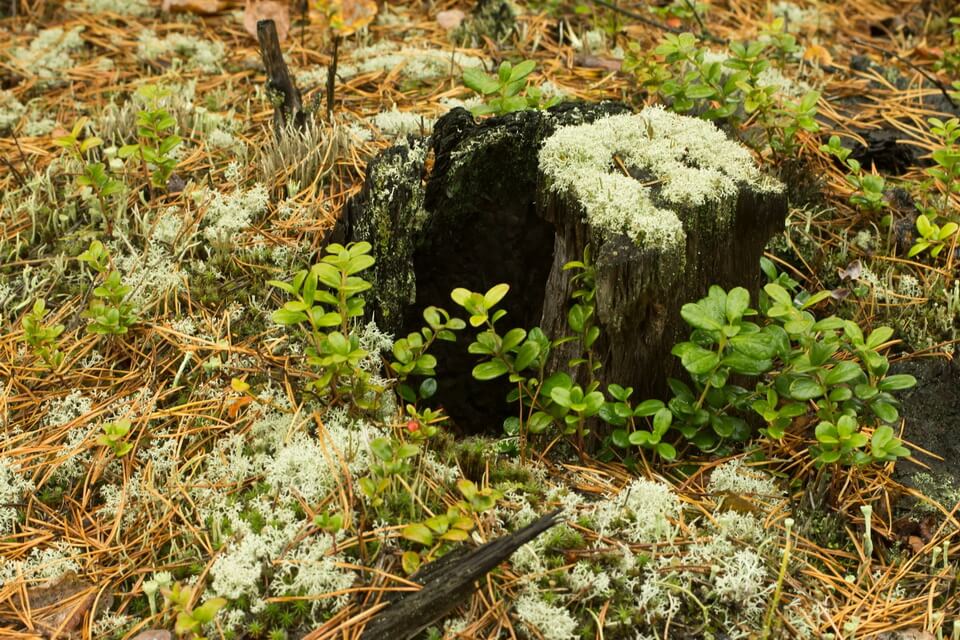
42, 337
114, 434
157, 141
509, 89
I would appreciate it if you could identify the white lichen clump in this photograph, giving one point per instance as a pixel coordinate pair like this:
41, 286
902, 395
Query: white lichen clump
14, 485
395, 123
689, 161
552, 622
642, 512
200, 54
413, 64
227, 215
736, 478
135, 8
48, 56
11, 110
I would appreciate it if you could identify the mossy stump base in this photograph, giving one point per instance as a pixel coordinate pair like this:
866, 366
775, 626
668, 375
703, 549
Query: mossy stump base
496, 207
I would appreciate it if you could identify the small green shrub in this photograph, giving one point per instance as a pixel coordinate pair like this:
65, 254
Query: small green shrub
827, 368
42, 337
109, 314
868, 187
509, 89
326, 303
937, 222
114, 437
689, 78
190, 620
95, 176
156, 141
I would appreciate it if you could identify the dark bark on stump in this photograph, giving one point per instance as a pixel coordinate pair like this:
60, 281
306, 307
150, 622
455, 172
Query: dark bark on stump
448, 583
289, 109
484, 216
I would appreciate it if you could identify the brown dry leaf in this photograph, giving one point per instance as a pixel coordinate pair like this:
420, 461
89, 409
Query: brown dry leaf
350, 16
57, 607
916, 543
451, 19
254, 12
818, 54
598, 62
153, 634
201, 7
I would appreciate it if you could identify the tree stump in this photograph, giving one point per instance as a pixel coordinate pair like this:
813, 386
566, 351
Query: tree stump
668, 204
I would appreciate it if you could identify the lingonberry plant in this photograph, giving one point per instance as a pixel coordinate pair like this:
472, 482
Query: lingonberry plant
110, 313
42, 336
156, 140
509, 89
826, 369
326, 303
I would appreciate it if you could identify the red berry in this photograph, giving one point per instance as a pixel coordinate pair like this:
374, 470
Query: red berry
412, 426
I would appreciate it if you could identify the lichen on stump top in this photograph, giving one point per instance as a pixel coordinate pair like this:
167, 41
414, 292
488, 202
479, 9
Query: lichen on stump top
676, 162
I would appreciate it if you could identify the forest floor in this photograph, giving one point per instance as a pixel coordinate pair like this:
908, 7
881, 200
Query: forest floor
163, 467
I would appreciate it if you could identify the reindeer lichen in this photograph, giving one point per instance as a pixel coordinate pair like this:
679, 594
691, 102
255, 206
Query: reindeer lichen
682, 164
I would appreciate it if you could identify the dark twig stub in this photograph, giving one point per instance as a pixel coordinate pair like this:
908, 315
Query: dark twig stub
447, 583
288, 105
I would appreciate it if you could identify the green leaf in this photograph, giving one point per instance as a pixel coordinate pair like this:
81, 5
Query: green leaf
338, 343
526, 355
826, 433
805, 389
594, 402
410, 561
539, 422
208, 610
576, 318
884, 410
185, 623
778, 294
327, 274
878, 336
489, 370
620, 438
844, 371
698, 360
662, 420
382, 448
696, 315
561, 396
666, 451
495, 295
285, 317
461, 296
648, 408
897, 382
428, 388
738, 301
513, 338
522, 70
418, 533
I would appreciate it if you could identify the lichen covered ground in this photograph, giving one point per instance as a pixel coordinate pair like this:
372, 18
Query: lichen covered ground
242, 485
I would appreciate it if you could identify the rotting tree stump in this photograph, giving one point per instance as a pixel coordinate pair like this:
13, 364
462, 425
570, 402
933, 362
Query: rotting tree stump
668, 205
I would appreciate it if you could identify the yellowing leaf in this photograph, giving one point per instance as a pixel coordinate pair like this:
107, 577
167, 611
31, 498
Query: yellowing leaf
818, 54
254, 12
349, 16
